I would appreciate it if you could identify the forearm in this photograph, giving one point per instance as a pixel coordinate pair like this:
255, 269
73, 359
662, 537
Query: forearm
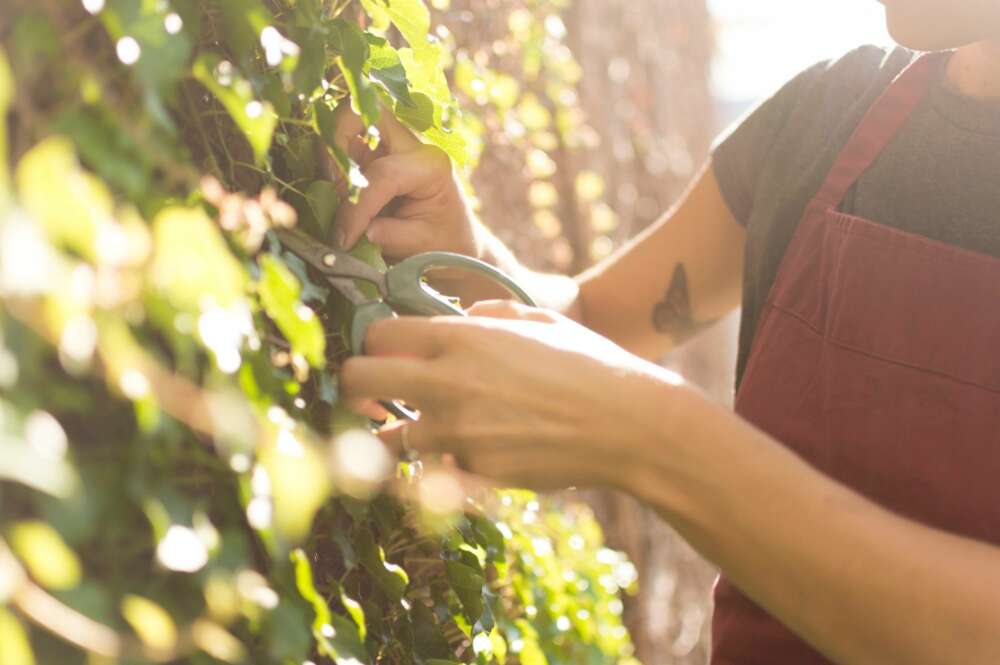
861, 584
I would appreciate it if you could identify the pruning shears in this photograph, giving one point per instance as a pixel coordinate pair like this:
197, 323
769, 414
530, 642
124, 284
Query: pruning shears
401, 289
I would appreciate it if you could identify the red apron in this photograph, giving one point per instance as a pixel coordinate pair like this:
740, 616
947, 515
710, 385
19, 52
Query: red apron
877, 360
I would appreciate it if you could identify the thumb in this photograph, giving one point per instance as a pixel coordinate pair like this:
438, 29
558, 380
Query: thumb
400, 238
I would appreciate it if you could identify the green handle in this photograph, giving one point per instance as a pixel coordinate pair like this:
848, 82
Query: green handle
408, 291
365, 315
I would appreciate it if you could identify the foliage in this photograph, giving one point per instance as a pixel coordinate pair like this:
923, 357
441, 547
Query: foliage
177, 478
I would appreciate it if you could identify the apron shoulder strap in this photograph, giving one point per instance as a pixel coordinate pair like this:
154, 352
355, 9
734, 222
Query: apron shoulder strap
878, 127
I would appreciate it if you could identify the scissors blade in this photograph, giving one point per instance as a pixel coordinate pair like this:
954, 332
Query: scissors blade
329, 261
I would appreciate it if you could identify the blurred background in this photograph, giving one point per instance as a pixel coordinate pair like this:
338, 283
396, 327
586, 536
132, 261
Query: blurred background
638, 90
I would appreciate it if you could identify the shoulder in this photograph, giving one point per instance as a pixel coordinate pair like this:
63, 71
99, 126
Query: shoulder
856, 71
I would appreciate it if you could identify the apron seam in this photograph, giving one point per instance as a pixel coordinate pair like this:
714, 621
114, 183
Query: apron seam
877, 356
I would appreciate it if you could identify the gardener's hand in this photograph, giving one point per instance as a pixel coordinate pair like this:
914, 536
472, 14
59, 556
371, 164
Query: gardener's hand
520, 395
412, 204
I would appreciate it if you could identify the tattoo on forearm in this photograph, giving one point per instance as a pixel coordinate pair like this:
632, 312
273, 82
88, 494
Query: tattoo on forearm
673, 316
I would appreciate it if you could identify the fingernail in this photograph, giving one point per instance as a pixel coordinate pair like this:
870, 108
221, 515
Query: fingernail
341, 238
372, 235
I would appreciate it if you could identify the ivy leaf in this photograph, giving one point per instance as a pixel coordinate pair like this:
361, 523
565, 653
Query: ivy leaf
411, 18
279, 294
337, 637
468, 585
392, 579
326, 126
241, 24
311, 66
385, 67
255, 118
46, 554
191, 262
14, 638
428, 639
353, 52
322, 201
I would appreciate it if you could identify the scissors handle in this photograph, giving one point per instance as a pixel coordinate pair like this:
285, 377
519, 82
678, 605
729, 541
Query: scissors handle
408, 291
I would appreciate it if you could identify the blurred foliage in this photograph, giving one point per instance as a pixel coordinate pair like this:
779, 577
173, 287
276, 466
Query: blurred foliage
178, 481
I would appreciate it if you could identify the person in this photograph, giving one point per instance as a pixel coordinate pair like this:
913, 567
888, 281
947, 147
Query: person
852, 501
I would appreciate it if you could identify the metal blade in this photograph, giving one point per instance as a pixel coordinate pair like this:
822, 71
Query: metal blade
331, 262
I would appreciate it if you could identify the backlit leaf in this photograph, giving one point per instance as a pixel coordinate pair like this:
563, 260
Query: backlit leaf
279, 294
15, 649
352, 49
46, 555
150, 622
192, 265
255, 118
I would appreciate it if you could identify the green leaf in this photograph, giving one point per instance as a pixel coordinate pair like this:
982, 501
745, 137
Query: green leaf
241, 24
192, 265
336, 636
255, 118
307, 589
386, 68
47, 556
411, 18
326, 126
468, 585
151, 623
323, 201
392, 579
279, 294
352, 49
311, 66
63, 198
14, 638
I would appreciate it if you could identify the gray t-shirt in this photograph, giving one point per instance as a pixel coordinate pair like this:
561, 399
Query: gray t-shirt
940, 176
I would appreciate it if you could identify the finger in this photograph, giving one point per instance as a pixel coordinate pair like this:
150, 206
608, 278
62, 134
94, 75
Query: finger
416, 439
400, 238
369, 408
412, 336
511, 309
404, 174
366, 378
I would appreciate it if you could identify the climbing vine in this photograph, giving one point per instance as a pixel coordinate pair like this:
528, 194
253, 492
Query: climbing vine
178, 481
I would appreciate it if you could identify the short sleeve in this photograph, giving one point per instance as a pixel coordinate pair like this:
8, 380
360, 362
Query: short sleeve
739, 154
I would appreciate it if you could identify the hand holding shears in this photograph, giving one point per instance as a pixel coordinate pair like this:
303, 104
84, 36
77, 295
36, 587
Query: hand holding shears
401, 289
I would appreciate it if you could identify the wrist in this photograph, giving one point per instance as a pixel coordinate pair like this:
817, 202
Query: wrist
664, 460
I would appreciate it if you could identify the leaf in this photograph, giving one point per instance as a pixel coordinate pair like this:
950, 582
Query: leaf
150, 622
323, 201
352, 48
326, 126
392, 579
385, 67
16, 648
312, 62
64, 199
255, 118
241, 24
192, 265
336, 636
411, 18
468, 585
279, 294
46, 555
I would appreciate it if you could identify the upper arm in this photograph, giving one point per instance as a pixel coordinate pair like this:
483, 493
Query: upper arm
679, 275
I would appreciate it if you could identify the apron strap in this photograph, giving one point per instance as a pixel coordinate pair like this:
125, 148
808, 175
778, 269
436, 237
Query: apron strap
878, 127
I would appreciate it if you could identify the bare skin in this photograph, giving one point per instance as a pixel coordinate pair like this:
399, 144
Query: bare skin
533, 398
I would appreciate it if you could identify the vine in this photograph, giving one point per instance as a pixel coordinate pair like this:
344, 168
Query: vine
178, 481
